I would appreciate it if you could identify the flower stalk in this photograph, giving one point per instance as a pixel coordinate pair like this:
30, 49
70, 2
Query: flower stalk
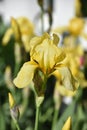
39, 101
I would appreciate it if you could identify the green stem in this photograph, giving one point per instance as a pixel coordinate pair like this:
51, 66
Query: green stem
42, 20
17, 125
37, 118
55, 118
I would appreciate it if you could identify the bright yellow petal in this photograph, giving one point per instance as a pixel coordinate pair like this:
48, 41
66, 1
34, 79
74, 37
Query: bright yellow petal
7, 36
47, 55
11, 100
67, 125
67, 79
25, 75
37, 40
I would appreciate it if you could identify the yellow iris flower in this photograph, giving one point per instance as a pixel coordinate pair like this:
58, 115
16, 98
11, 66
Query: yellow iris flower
75, 28
48, 59
22, 29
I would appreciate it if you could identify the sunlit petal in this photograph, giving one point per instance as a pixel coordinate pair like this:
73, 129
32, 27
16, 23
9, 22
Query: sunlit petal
47, 55
26, 74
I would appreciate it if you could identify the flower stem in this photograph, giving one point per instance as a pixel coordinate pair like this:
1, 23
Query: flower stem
17, 125
55, 118
37, 118
42, 20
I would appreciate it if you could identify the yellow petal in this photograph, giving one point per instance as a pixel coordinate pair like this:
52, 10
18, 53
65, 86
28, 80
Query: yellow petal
47, 55
55, 39
63, 91
16, 29
38, 40
7, 36
67, 125
67, 79
25, 75
76, 25
26, 26
11, 100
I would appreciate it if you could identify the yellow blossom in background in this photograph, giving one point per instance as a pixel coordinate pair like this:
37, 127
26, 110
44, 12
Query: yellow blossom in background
75, 28
67, 125
11, 100
48, 59
22, 29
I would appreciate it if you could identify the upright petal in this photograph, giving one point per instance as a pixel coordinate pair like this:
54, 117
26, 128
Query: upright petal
47, 55
25, 75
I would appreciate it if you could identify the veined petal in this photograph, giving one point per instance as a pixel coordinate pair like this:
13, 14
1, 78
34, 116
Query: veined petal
67, 79
63, 91
47, 55
37, 40
25, 75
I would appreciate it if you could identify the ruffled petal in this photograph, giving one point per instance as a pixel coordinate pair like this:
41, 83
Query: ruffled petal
47, 55
25, 75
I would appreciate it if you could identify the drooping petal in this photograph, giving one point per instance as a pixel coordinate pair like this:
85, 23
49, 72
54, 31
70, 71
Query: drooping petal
7, 36
25, 75
67, 79
63, 91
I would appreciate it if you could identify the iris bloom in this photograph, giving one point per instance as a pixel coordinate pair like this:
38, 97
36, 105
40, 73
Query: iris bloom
22, 29
46, 60
75, 28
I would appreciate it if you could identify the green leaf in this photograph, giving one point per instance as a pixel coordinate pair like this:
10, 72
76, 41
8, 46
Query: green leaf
2, 121
68, 112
